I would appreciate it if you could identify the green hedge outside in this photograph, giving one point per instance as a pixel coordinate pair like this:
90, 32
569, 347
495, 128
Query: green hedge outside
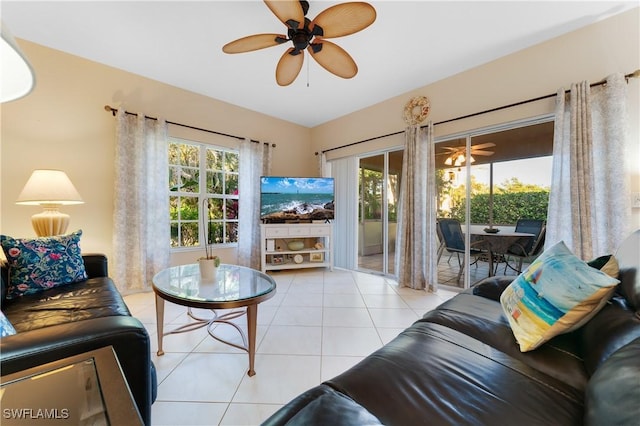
507, 207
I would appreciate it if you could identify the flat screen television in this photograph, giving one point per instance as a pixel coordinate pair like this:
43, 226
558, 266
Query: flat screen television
291, 199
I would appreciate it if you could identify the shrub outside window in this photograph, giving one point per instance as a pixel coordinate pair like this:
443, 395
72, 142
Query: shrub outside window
199, 173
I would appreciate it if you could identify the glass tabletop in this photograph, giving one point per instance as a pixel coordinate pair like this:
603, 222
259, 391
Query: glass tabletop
83, 389
232, 284
501, 242
80, 402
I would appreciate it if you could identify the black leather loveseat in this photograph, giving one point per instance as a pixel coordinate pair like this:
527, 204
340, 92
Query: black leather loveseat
76, 318
460, 365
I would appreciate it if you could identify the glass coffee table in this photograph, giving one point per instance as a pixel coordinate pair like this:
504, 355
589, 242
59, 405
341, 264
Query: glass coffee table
233, 287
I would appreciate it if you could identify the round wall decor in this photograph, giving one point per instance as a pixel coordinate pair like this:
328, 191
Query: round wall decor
298, 258
416, 110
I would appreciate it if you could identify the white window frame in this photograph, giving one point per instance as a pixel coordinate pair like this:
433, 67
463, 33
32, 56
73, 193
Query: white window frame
202, 195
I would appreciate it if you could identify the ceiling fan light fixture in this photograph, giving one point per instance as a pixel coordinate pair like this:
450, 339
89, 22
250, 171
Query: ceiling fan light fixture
457, 155
300, 39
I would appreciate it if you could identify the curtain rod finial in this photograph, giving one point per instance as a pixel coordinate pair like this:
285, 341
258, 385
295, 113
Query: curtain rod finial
111, 110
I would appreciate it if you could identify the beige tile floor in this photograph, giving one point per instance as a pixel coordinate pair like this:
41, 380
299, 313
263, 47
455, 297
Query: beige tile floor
317, 325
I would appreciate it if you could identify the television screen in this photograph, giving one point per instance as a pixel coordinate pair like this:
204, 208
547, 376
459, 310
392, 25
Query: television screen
295, 198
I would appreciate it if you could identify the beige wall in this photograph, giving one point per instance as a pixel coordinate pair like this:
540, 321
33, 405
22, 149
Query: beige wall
62, 123
590, 53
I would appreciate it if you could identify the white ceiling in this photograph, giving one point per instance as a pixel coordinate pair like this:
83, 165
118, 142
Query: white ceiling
411, 44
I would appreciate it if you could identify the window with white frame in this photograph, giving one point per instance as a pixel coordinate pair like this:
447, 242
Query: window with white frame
199, 176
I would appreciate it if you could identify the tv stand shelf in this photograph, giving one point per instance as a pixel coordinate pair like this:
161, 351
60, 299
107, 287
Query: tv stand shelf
316, 251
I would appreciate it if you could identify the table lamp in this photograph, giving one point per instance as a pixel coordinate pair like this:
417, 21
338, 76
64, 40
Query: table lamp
50, 189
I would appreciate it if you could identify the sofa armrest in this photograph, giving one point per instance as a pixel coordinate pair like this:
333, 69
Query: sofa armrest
127, 335
613, 392
96, 265
321, 406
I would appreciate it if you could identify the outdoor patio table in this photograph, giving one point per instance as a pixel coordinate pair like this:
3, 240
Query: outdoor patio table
498, 243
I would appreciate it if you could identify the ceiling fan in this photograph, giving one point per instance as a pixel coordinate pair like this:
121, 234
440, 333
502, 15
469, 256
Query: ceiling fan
336, 21
456, 155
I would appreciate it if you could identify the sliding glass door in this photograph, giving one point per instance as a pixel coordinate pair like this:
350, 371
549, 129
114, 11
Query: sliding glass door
378, 193
488, 180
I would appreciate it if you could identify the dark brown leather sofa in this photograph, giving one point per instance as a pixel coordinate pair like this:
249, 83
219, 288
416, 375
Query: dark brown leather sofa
77, 318
460, 365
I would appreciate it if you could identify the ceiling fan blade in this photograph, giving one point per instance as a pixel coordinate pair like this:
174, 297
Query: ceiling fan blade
253, 42
288, 11
483, 145
289, 67
344, 19
333, 58
487, 153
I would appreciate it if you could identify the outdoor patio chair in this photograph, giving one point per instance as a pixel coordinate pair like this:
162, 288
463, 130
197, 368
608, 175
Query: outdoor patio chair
526, 249
451, 232
442, 247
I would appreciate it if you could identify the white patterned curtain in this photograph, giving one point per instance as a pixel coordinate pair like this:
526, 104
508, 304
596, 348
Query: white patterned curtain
589, 206
416, 247
141, 235
324, 168
255, 161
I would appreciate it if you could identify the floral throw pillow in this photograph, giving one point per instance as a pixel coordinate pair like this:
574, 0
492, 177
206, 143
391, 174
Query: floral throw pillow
556, 294
37, 264
6, 329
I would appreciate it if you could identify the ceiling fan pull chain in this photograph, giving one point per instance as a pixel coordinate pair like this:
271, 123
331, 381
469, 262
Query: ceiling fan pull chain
307, 73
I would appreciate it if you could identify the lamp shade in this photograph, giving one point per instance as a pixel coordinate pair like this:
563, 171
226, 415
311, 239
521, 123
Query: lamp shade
16, 75
49, 187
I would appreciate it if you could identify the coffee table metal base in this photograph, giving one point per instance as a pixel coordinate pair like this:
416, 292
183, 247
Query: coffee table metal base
248, 342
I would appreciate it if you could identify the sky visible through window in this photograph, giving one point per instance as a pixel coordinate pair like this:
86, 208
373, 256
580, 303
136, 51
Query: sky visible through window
534, 171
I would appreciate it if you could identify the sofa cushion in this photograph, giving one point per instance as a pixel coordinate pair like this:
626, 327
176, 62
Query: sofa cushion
556, 294
484, 320
93, 298
37, 264
6, 329
432, 374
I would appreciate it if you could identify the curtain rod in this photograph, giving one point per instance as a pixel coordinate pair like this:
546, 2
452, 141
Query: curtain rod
634, 74
113, 112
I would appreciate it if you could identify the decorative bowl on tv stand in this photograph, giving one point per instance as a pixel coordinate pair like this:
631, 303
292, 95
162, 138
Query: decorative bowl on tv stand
295, 245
